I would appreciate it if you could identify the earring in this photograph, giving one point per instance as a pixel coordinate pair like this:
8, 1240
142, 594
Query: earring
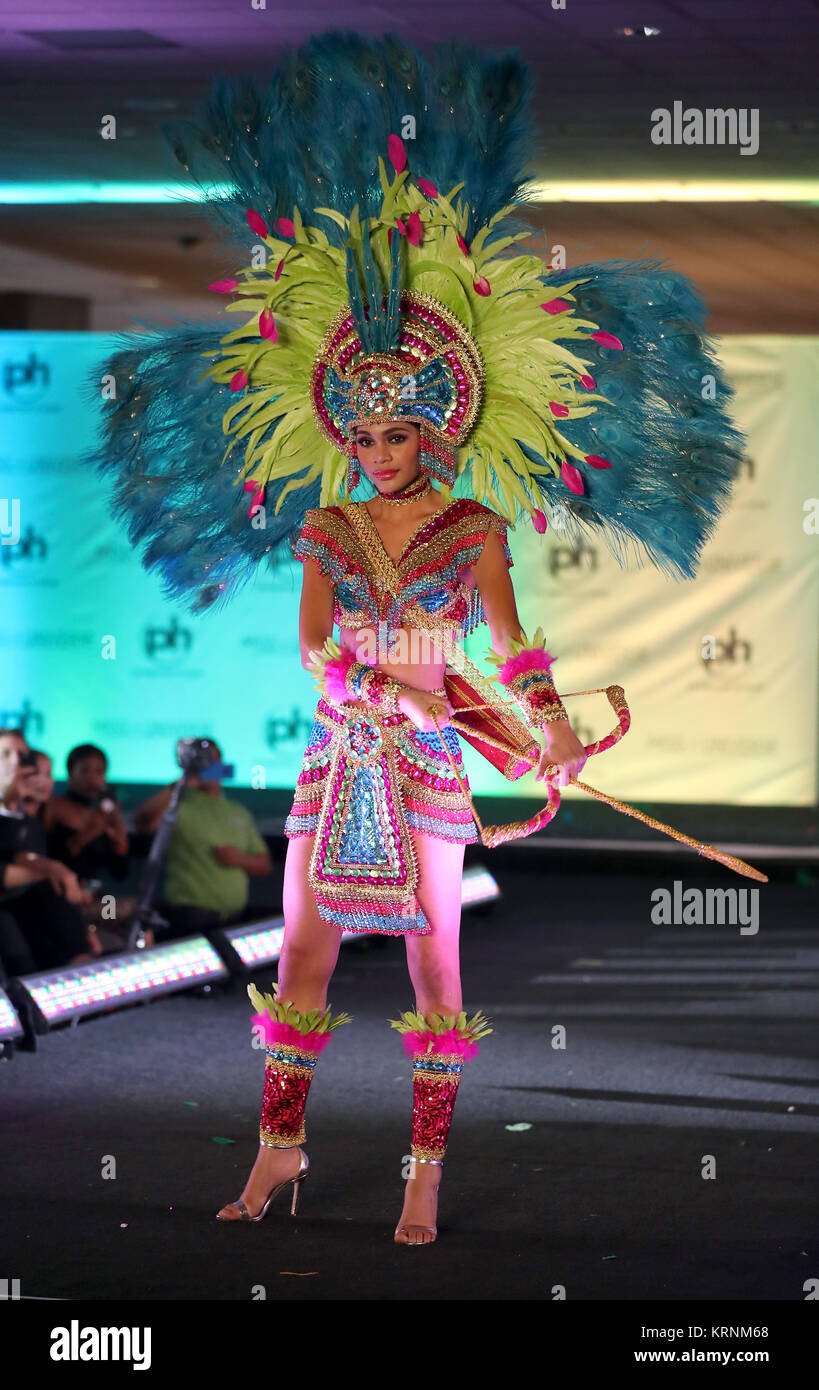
353, 475
436, 458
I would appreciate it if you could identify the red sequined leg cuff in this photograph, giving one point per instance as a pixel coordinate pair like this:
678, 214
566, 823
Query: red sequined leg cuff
435, 1081
288, 1073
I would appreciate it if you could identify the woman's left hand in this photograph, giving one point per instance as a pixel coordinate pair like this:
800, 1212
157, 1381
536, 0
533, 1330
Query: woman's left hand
564, 750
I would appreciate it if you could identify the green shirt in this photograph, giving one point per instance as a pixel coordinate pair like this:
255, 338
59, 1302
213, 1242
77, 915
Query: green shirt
193, 877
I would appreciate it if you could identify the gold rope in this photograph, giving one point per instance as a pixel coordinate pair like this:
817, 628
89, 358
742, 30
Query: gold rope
494, 835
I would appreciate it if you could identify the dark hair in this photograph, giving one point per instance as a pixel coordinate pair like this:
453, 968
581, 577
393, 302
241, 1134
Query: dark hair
14, 733
84, 750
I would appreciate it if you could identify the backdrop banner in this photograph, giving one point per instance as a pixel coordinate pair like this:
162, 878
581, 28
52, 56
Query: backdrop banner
720, 673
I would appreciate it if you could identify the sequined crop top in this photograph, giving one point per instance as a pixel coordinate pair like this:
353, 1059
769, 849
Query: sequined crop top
425, 588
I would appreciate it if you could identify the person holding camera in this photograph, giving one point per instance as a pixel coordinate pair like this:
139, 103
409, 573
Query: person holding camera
213, 850
39, 893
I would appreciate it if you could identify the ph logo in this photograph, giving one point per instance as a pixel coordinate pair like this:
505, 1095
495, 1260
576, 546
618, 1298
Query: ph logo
725, 651
27, 719
30, 546
284, 729
26, 382
565, 561
168, 643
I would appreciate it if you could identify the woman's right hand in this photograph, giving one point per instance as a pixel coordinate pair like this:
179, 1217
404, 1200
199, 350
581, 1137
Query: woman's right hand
417, 705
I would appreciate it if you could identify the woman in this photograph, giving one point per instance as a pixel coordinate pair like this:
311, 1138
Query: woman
387, 322
388, 455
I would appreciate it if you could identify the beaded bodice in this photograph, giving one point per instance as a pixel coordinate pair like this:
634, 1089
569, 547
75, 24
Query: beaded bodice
427, 587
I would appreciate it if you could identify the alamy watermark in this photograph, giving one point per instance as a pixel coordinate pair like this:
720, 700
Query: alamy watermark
706, 907
713, 126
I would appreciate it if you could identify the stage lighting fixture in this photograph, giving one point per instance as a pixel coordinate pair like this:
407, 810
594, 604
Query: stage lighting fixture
260, 943
10, 1026
257, 944
123, 979
478, 886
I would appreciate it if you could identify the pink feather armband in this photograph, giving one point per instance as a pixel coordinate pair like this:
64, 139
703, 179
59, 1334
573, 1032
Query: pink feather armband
342, 679
526, 672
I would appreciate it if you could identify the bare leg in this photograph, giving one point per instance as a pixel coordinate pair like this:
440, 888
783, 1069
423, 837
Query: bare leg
435, 971
308, 959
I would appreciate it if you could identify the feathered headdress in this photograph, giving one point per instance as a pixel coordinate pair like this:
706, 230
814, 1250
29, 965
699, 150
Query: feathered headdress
384, 285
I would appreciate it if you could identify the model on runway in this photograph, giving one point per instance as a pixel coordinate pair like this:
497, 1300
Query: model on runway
389, 330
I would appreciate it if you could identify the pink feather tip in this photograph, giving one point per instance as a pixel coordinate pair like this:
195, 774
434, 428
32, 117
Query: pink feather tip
287, 226
572, 478
556, 306
224, 286
446, 1043
427, 187
257, 500
606, 339
481, 285
559, 411
267, 326
530, 659
275, 1032
539, 522
597, 461
256, 223
238, 381
335, 672
415, 229
397, 153
588, 381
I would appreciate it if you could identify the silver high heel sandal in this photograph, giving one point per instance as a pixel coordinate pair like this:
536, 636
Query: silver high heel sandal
297, 1180
404, 1227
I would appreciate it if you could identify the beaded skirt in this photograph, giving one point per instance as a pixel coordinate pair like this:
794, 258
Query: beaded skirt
367, 780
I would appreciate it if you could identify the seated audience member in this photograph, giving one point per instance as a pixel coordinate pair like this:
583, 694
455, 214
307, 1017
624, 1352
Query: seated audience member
38, 892
86, 828
213, 848
87, 832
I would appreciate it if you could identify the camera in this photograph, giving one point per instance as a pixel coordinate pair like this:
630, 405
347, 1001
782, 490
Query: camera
196, 754
200, 757
27, 759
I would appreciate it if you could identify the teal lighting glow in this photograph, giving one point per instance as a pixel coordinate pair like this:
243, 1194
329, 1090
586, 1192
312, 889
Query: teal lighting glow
102, 191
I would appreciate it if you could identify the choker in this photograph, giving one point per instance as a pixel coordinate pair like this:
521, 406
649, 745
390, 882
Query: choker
419, 487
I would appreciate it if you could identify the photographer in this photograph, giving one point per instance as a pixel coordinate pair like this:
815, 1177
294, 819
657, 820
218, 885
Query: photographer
213, 849
39, 893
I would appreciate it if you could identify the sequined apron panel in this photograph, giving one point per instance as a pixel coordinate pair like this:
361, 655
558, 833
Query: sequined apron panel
367, 779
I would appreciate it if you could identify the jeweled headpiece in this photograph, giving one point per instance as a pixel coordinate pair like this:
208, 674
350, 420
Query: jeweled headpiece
432, 375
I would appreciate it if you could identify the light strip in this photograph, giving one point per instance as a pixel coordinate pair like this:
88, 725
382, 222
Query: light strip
478, 886
556, 191
102, 191
677, 191
121, 979
10, 1026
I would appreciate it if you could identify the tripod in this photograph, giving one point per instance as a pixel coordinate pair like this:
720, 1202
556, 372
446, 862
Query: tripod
145, 915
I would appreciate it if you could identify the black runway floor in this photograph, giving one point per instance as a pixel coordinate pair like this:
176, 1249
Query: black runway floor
687, 1050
